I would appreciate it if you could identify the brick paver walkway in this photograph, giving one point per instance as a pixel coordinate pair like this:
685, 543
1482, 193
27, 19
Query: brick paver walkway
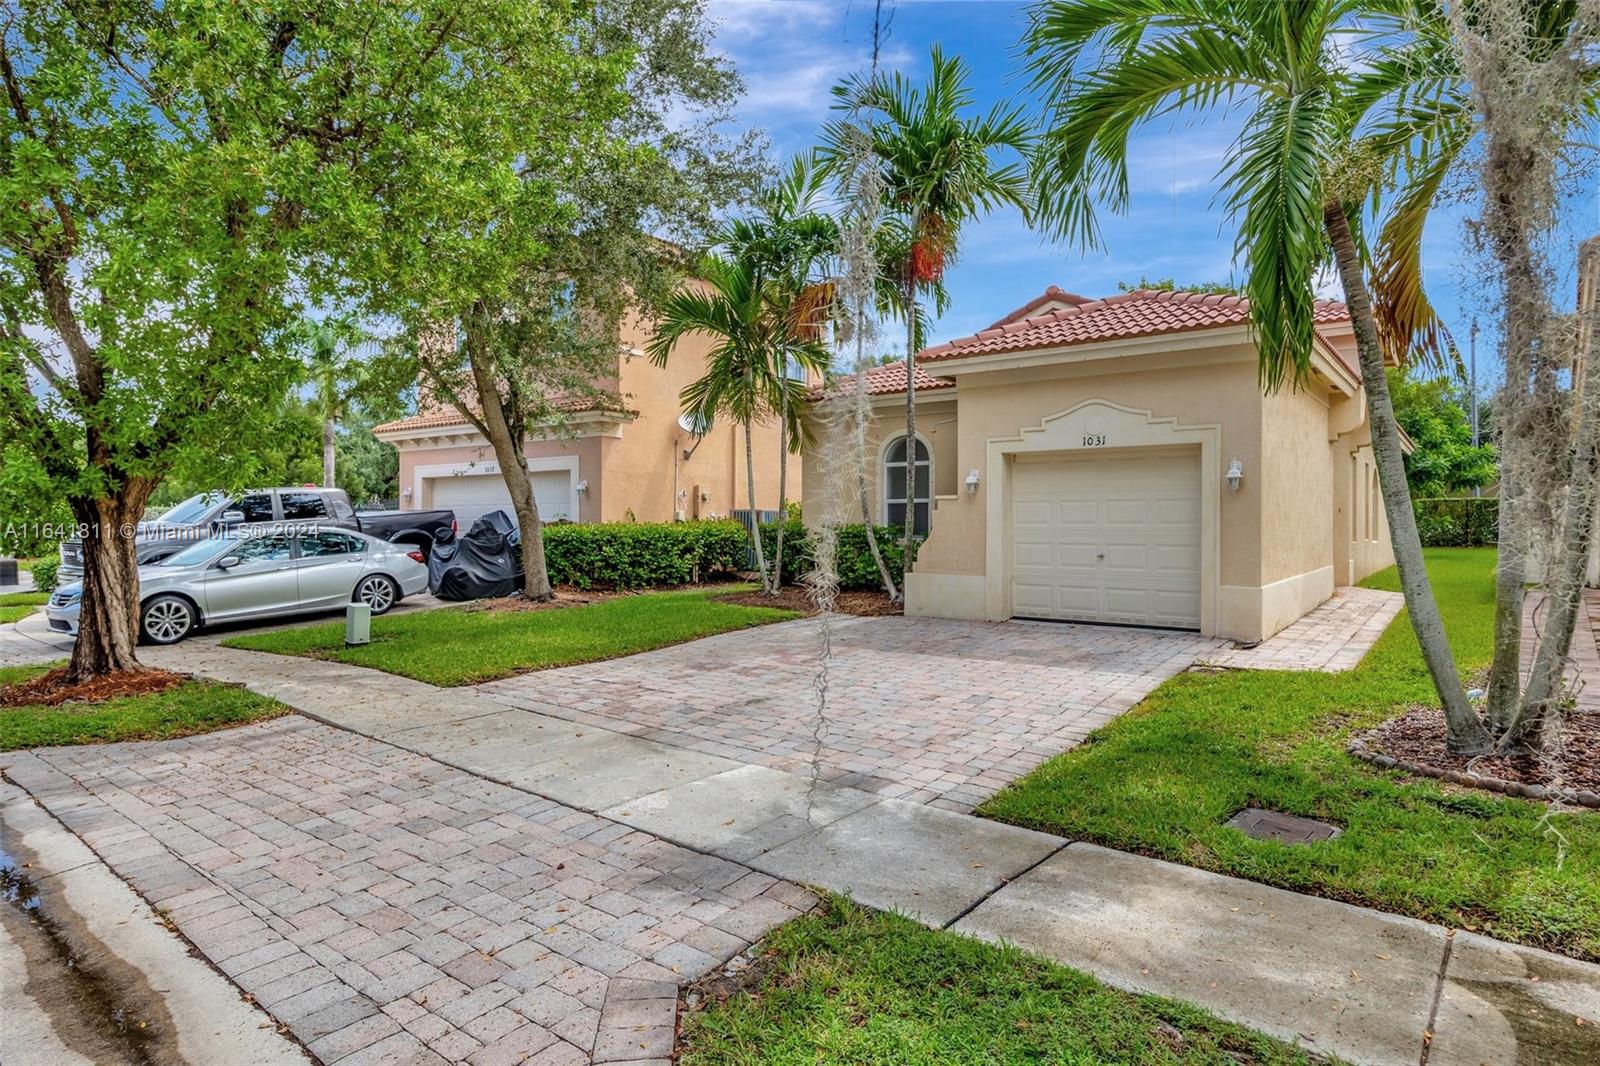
927, 710
391, 909
1333, 637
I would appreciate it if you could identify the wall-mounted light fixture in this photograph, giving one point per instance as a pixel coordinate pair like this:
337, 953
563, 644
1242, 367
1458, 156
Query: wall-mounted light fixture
405, 494
972, 482
582, 487
1235, 474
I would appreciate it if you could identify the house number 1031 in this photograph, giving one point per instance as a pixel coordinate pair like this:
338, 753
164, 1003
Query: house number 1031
1094, 440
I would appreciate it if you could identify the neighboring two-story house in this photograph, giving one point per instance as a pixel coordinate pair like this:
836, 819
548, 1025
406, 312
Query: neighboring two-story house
627, 457
1114, 460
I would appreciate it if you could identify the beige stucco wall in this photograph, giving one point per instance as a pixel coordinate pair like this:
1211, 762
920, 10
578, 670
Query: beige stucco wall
1295, 484
1360, 510
1219, 391
639, 464
633, 466
936, 425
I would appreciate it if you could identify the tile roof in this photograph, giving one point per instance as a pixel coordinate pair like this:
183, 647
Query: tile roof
1053, 294
439, 416
1141, 313
889, 379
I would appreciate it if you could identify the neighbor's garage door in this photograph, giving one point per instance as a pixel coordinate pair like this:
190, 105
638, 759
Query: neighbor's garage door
472, 495
1107, 539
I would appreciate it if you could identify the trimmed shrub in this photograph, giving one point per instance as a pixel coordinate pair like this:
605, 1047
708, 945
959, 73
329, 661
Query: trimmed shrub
44, 574
631, 555
856, 568
1463, 522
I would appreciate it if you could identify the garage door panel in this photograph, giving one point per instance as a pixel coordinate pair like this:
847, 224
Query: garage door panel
1107, 539
471, 496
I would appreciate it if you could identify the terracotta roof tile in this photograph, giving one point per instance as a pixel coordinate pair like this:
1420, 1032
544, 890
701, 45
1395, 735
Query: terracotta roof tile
1144, 312
890, 378
1053, 294
439, 417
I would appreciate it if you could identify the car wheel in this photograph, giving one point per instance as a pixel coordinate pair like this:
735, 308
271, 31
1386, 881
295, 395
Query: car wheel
167, 619
377, 592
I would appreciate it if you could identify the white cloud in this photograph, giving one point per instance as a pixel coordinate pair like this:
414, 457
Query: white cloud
791, 53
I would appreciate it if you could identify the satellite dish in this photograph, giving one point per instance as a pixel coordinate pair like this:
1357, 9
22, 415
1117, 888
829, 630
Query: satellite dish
696, 423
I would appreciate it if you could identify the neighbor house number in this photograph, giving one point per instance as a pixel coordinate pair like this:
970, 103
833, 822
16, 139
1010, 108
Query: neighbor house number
1094, 440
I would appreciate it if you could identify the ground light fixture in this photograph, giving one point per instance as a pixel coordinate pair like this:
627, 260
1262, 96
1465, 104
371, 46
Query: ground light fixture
1235, 474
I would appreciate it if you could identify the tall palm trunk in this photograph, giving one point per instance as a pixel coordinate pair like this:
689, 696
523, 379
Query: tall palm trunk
1466, 734
1535, 717
750, 492
783, 488
327, 452
911, 421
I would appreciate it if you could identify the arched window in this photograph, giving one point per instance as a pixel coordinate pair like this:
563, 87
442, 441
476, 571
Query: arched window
895, 483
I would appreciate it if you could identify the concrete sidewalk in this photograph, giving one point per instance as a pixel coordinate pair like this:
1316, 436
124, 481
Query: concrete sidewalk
1341, 980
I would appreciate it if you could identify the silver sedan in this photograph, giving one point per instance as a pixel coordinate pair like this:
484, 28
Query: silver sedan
236, 577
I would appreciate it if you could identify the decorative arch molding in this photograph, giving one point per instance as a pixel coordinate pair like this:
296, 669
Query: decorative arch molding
1090, 427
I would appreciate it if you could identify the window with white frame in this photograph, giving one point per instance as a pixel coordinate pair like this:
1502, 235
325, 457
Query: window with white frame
896, 483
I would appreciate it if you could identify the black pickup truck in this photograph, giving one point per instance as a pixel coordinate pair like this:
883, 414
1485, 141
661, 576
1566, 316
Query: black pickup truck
199, 516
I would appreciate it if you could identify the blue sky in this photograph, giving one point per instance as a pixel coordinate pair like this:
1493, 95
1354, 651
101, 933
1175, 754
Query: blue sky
791, 52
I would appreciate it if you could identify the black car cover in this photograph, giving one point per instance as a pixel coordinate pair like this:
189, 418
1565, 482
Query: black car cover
484, 562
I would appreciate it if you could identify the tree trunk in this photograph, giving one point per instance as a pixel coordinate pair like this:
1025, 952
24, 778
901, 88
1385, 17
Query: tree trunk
1538, 711
755, 518
108, 619
514, 470
911, 417
327, 453
872, 541
1466, 734
1508, 160
783, 488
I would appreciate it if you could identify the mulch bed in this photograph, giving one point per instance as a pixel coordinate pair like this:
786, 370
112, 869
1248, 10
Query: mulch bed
564, 597
1415, 742
869, 603
51, 690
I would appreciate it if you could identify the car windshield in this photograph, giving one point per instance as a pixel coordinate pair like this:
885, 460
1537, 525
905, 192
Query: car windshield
200, 551
189, 510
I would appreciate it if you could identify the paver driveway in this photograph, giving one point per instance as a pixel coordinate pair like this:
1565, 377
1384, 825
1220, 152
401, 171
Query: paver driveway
391, 909
922, 709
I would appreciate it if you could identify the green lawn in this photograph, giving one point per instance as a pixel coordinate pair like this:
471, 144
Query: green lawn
193, 707
15, 606
458, 646
1161, 780
849, 985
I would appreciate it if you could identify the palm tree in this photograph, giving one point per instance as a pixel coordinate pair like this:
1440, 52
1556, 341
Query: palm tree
1292, 183
334, 373
755, 341
790, 242
939, 172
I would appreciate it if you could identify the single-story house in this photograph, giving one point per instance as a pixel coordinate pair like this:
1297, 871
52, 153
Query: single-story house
1115, 460
626, 456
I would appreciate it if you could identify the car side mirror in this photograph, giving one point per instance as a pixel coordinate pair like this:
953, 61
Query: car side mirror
232, 518
227, 562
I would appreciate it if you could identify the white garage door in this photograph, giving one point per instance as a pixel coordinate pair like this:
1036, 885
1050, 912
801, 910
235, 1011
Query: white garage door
1107, 539
472, 495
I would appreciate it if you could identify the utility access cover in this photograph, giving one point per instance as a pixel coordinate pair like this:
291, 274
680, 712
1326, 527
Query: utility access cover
1285, 828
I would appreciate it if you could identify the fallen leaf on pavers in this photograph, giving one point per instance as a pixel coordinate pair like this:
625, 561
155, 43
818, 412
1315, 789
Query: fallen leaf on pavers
730, 821
1385, 958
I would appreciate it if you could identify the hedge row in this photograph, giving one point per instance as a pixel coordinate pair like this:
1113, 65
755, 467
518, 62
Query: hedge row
1468, 522
642, 554
854, 558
